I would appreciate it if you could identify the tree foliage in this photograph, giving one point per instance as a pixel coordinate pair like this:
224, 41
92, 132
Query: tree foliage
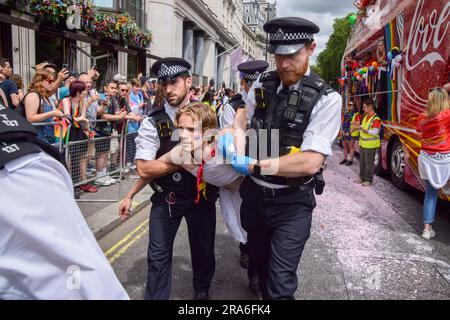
329, 60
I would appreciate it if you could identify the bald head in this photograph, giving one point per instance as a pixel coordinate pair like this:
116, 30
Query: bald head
87, 81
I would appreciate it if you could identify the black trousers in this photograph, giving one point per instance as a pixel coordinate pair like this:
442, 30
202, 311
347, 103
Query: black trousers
278, 227
244, 248
201, 224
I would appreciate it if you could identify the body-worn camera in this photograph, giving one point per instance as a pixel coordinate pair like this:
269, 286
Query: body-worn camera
319, 183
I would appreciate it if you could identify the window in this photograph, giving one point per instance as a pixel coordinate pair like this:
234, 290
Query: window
105, 3
51, 49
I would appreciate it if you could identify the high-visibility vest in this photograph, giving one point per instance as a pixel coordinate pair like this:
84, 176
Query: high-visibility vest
355, 133
366, 140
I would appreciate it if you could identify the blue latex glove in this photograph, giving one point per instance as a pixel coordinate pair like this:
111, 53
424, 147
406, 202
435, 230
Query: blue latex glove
225, 145
240, 164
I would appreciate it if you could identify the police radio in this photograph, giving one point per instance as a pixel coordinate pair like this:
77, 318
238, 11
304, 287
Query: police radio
291, 107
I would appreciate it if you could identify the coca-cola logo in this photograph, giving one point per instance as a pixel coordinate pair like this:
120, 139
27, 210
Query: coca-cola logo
425, 33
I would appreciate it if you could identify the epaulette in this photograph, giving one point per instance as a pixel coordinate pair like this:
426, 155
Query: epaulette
237, 102
155, 110
269, 76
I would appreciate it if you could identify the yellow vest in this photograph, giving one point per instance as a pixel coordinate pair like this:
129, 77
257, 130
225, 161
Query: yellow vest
355, 133
366, 140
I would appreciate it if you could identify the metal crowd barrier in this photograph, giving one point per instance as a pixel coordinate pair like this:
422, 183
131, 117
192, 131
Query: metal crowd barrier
47, 132
112, 154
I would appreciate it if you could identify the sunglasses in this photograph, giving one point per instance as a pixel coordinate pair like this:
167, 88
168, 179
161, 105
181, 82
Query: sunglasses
123, 90
436, 88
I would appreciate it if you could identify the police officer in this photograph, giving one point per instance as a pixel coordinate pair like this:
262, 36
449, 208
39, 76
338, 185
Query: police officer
175, 190
47, 249
302, 113
250, 71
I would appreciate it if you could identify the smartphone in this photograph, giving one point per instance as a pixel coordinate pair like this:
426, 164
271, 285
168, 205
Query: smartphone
94, 67
66, 66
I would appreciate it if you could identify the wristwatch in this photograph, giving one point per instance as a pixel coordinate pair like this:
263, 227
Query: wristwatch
257, 168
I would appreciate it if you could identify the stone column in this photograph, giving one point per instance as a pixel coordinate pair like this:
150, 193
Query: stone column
83, 61
24, 51
161, 22
188, 43
220, 65
199, 54
209, 57
177, 47
122, 63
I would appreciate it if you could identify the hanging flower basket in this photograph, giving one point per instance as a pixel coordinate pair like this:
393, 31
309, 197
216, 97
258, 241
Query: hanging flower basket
99, 25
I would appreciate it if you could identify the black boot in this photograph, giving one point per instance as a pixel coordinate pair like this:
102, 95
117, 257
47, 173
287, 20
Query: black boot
343, 161
253, 284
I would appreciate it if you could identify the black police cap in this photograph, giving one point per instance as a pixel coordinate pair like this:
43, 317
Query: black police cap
250, 70
170, 68
290, 34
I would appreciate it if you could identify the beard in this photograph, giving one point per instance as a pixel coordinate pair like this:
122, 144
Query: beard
291, 77
175, 100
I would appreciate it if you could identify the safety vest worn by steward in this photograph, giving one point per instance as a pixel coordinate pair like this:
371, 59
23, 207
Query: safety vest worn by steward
19, 138
355, 133
366, 140
181, 183
288, 112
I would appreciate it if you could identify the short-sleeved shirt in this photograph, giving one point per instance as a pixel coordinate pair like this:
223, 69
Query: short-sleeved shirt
147, 141
46, 241
104, 128
9, 87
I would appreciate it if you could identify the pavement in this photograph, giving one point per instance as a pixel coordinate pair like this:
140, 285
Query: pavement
101, 208
365, 244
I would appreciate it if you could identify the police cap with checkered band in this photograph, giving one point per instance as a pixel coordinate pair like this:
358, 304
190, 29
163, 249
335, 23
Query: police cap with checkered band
289, 35
170, 68
250, 70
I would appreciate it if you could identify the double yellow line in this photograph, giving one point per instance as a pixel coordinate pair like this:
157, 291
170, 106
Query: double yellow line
123, 245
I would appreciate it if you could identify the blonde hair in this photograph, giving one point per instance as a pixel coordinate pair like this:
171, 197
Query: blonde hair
199, 112
437, 102
37, 82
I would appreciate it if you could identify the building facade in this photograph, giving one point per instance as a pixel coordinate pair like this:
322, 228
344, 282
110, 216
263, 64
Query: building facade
205, 33
26, 41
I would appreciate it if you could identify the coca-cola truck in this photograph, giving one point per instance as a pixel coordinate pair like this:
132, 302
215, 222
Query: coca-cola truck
415, 35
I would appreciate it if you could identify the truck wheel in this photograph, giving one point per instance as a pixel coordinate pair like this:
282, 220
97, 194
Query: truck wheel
397, 158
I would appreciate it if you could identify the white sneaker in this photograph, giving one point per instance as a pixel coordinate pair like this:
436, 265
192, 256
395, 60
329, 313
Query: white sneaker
102, 182
427, 234
111, 180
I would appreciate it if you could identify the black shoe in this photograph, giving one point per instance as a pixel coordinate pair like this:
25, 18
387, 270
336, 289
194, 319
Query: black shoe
244, 260
349, 163
343, 161
253, 284
201, 296
76, 192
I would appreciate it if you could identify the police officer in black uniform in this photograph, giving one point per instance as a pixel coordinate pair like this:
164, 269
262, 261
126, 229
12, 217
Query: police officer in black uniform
249, 73
175, 191
302, 113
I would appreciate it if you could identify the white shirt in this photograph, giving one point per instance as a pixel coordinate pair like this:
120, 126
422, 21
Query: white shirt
47, 250
147, 141
322, 129
222, 175
226, 116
